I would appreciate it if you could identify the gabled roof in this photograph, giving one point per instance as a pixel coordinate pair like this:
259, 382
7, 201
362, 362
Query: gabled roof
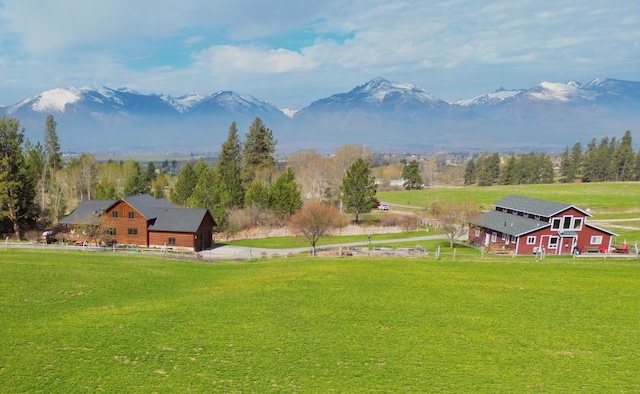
509, 224
534, 206
146, 204
88, 212
181, 220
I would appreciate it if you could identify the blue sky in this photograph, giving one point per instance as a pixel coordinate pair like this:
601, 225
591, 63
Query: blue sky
291, 53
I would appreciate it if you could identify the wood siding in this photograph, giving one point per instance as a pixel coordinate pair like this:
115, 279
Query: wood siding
123, 223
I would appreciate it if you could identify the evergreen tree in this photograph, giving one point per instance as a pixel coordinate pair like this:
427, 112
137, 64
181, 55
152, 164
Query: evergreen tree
489, 170
284, 196
210, 192
565, 167
510, 173
52, 145
105, 190
200, 167
624, 159
470, 173
17, 193
257, 195
257, 157
590, 162
150, 173
358, 189
411, 176
575, 163
184, 186
230, 166
136, 183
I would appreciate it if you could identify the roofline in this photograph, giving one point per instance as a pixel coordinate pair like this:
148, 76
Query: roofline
551, 215
601, 229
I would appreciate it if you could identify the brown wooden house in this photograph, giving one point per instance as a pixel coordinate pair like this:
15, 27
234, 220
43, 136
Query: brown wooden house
146, 221
524, 225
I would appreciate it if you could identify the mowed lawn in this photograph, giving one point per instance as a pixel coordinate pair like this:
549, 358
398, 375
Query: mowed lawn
87, 322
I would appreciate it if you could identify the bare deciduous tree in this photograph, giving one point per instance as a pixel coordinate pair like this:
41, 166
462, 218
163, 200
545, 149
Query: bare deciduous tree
453, 216
313, 221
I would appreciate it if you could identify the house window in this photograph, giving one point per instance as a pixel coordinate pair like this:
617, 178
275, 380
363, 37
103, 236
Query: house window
553, 243
132, 231
577, 224
531, 240
110, 231
171, 241
555, 224
477, 233
494, 236
566, 222
131, 215
526, 215
537, 217
504, 236
114, 214
596, 239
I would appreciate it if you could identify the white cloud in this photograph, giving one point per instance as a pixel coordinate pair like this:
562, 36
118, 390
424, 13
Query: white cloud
301, 51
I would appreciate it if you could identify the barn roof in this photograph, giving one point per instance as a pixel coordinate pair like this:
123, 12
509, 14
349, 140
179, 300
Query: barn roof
87, 212
509, 224
182, 220
534, 206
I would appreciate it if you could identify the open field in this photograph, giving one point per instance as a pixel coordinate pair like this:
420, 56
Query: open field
83, 322
606, 199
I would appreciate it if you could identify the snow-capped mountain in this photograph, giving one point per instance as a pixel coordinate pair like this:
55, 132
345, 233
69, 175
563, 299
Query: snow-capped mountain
378, 93
494, 98
382, 114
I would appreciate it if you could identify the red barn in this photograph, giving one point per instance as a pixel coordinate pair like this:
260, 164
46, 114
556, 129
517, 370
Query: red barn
524, 225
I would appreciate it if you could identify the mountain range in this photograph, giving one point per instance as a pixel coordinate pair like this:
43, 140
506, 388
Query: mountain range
384, 115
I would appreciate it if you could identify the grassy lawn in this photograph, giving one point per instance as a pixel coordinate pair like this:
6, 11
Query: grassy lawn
82, 322
300, 242
602, 198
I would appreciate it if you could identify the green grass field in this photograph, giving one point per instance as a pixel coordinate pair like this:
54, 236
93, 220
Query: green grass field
84, 322
602, 198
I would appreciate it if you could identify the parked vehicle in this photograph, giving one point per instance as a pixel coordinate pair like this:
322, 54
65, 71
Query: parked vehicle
383, 207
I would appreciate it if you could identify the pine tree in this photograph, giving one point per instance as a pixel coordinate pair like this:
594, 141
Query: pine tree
284, 195
565, 167
257, 195
17, 193
230, 166
411, 176
358, 189
470, 173
52, 145
210, 192
623, 160
184, 186
136, 183
257, 157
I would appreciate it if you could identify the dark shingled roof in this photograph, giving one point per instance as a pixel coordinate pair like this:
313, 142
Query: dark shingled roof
88, 212
146, 204
181, 220
160, 213
534, 206
509, 224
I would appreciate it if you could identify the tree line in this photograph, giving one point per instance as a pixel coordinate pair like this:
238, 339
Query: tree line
246, 184
609, 160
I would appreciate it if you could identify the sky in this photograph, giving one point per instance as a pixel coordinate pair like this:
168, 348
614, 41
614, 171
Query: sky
290, 53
